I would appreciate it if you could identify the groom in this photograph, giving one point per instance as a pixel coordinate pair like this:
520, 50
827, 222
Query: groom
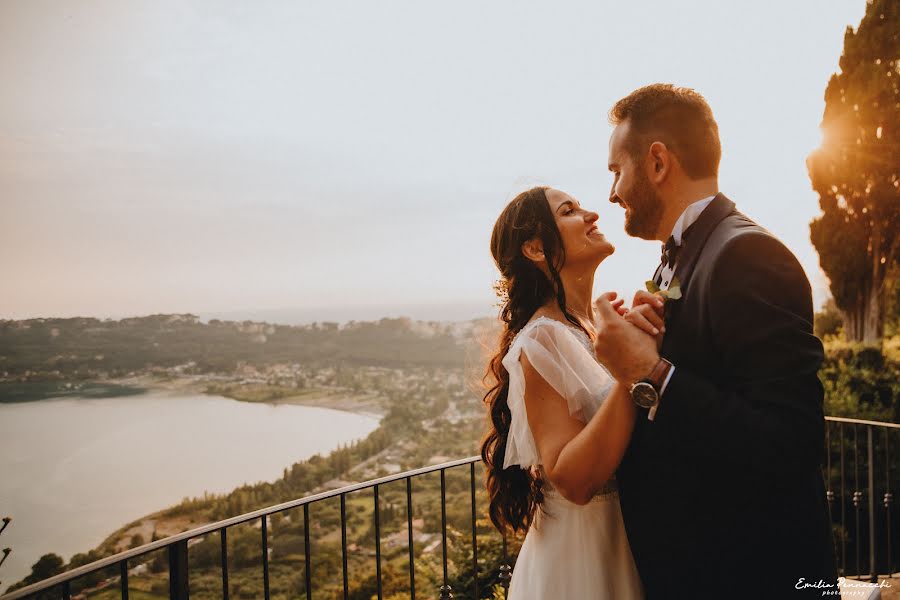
721, 487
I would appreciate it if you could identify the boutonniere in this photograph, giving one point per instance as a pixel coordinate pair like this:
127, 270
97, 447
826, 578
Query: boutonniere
673, 293
670, 295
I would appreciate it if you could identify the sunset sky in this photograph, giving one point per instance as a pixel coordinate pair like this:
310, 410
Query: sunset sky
348, 160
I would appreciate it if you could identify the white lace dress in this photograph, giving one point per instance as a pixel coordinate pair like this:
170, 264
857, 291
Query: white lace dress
572, 552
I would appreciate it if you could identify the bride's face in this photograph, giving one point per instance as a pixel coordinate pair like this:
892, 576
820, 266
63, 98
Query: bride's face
582, 240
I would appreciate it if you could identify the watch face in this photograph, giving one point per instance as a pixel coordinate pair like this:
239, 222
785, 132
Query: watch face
644, 394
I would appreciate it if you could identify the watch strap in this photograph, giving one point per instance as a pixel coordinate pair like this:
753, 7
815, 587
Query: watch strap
658, 375
657, 378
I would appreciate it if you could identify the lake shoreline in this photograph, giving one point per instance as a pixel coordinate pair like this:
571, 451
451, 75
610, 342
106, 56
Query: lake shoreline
20, 393
155, 522
365, 404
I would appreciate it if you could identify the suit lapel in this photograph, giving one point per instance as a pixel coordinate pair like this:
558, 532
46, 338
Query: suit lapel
717, 210
657, 272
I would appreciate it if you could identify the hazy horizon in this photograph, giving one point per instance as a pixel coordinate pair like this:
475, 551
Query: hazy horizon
339, 158
303, 316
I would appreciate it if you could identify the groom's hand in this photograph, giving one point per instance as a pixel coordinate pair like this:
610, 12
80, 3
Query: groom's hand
628, 352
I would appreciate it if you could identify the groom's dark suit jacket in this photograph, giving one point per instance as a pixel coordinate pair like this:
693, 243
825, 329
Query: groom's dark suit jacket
722, 494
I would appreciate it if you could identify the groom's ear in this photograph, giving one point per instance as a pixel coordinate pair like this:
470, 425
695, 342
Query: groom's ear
533, 250
660, 162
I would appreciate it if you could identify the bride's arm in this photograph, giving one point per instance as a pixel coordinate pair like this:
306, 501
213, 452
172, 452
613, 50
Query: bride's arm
578, 458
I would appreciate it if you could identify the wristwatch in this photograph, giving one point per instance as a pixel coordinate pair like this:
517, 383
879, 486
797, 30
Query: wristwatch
645, 393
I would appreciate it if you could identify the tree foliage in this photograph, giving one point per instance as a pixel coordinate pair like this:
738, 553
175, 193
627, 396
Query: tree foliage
827, 321
47, 566
55, 349
855, 173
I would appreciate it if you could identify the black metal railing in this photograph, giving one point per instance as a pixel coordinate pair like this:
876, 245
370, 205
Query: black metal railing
860, 507
866, 538
176, 546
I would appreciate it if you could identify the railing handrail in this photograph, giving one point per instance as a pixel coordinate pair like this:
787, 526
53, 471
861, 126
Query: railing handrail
212, 527
864, 422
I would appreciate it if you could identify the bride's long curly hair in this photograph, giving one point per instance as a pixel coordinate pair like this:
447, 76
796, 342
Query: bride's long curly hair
515, 493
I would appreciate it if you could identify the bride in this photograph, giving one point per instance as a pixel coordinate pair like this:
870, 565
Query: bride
559, 424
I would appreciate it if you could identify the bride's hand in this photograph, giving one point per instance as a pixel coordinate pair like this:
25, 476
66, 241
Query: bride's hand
646, 314
617, 304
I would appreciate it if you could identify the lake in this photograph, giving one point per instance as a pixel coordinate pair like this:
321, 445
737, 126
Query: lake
74, 470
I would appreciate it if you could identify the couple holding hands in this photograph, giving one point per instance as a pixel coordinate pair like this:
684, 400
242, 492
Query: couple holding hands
673, 448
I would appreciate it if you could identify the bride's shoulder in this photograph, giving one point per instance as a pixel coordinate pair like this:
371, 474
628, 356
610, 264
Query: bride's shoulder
553, 335
541, 322
540, 326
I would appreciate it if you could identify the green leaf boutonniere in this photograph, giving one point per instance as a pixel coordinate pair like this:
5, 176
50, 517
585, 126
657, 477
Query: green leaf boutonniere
673, 293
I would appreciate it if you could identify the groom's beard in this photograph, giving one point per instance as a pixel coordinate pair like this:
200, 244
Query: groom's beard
645, 210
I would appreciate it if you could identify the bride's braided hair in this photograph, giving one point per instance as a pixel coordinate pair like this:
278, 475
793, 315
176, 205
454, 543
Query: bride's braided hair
515, 493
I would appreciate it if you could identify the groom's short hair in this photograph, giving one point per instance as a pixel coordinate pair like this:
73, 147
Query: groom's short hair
677, 116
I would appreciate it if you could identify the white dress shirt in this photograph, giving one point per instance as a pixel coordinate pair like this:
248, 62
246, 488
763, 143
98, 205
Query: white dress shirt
687, 218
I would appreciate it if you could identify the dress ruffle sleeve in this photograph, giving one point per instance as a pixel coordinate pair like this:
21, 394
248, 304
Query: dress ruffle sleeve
567, 365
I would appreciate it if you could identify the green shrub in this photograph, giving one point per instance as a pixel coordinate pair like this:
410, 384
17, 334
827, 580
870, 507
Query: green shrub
860, 381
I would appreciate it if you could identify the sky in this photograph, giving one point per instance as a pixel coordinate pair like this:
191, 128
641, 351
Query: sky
329, 160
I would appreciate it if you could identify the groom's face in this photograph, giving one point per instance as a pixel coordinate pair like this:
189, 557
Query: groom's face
632, 189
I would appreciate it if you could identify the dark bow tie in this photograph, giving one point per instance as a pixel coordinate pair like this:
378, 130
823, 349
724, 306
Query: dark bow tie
670, 249
670, 252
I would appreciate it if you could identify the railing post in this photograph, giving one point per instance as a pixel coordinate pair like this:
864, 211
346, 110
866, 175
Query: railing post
123, 579
308, 553
178, 571
843, 568
505, 575
409, 532
344, 546
377, 545
264, 528
446, 590
223, 556
829, 494
888, 499
873, 571
857, 497
474, 534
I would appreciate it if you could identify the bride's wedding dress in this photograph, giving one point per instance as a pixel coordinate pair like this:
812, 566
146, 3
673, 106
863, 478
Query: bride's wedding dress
570, 551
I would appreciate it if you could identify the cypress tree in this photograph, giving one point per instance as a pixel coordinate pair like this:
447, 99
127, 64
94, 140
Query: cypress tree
854, 172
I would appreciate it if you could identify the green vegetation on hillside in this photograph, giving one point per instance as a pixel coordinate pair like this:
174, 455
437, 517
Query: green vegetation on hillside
84, 349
